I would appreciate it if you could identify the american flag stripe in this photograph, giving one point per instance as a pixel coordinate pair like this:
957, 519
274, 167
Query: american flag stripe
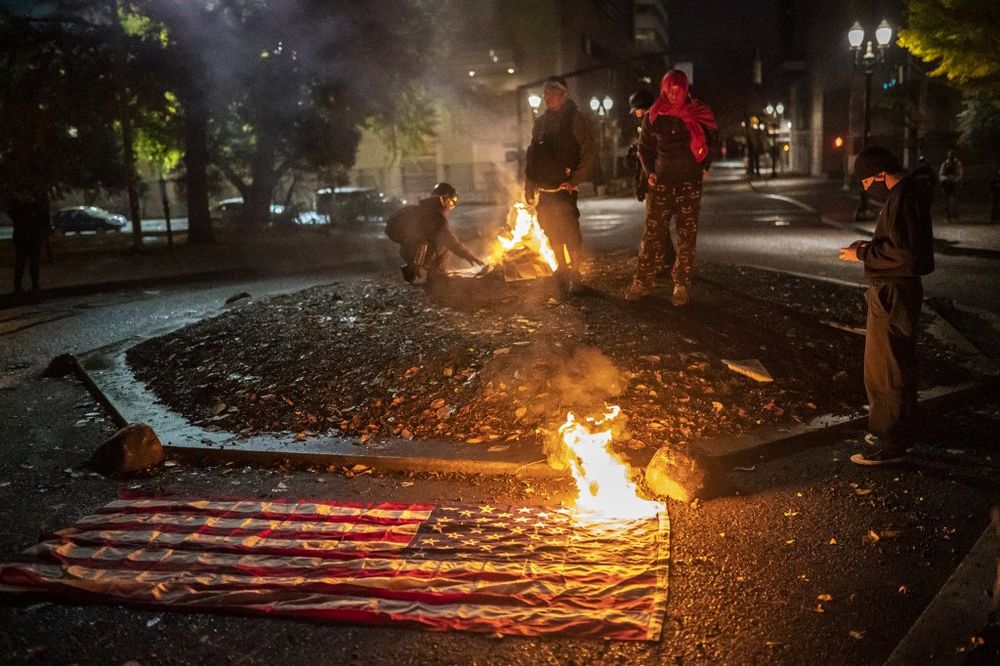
269, 529
161, 584
371, 567
323, 523
390, 513
625, 624
516, 571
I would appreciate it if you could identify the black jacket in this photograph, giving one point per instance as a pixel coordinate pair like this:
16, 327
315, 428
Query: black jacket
425, 223
903, 243
562, 137
665, 149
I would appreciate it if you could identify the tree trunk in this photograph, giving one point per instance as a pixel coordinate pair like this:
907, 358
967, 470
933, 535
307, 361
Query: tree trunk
257, 200
125, 118
196, 165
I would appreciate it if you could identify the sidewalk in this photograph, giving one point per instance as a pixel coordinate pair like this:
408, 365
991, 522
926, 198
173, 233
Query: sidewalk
836, 206
94, 264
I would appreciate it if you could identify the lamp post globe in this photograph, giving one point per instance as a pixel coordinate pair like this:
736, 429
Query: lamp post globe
855, 35
883, 33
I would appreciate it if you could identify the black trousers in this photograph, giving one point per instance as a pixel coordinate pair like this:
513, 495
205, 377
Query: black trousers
891, 358
27, 254
559, 218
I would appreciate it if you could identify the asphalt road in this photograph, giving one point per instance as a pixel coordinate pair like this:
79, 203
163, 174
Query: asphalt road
780, 567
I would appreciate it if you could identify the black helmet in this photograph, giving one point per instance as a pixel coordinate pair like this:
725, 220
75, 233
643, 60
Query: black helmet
444, 190
642, 99
873, 160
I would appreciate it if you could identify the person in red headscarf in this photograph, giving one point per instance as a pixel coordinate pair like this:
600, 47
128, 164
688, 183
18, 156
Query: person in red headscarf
675, 147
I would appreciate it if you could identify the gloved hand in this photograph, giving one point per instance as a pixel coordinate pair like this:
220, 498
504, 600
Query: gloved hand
476, 261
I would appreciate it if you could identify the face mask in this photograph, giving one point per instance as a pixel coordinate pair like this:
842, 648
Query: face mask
878, 188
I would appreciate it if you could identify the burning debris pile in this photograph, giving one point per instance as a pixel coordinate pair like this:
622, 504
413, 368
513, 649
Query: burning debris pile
381, 360
522, 250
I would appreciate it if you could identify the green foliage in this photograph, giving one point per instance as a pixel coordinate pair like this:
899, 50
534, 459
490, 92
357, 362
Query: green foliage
288, 86
405, 132
979, 127
961, 38
56, 107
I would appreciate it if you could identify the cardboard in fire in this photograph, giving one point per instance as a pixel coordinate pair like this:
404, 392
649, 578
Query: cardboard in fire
523, 263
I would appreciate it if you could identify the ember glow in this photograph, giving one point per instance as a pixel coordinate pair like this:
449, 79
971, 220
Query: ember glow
523, 231
601, 479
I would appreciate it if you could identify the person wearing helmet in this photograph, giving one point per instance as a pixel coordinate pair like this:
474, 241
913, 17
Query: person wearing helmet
900, 251
425, 238
638, 104
559, 158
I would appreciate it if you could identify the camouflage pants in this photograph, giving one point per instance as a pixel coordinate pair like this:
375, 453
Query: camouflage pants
681, 201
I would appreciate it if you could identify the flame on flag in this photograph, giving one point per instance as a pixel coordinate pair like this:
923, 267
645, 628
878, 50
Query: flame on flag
605, 490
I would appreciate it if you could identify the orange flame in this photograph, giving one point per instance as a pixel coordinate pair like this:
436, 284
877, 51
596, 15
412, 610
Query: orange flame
524, 231
601, 479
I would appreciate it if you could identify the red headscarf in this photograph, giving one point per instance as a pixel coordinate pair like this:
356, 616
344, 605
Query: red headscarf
696, 116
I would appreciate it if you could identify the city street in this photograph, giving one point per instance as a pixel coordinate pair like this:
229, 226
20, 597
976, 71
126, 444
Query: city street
799, 556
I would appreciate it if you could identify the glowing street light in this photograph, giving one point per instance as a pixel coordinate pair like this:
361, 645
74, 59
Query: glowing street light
865, 59
534, 101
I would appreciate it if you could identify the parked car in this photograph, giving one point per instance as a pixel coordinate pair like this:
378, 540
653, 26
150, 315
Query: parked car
228, 211
351, 205
87, 218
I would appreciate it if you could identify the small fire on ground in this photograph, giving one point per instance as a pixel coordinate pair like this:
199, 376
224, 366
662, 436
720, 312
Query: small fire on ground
605, 491
522, 248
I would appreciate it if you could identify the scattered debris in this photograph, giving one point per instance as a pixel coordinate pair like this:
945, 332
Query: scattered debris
752, 368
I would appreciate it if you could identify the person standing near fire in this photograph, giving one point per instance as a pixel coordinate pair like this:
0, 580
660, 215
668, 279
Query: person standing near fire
560, 158
425, 238
675, 143
900, 251
639, 104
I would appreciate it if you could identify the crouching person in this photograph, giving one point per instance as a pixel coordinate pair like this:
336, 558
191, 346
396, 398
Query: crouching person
425, 238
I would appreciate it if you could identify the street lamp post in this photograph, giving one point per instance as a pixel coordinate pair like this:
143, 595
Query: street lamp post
774, 112
865, 59
602, 108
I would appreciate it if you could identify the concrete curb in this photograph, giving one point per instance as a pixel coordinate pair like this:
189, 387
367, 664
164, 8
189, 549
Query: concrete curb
956, 613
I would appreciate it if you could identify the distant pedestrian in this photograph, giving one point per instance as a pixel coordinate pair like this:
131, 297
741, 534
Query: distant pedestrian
559, 159
675, 143
926, 179
425, 238
29, 211
951, 173
899, 253
995, 191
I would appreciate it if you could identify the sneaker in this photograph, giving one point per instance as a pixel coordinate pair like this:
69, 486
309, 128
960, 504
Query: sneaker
637, 290
878, 457
680, 296
871, 439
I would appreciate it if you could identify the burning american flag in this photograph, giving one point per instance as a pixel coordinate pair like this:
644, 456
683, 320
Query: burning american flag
503, 570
